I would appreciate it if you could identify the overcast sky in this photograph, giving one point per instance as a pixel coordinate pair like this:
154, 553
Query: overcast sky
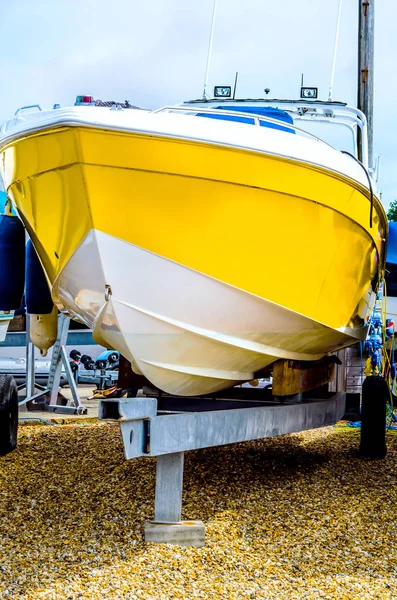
154, 53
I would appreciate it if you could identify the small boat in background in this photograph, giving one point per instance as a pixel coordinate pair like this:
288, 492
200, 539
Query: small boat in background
203, 241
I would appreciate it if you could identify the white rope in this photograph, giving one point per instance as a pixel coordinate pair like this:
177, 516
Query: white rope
335, 52
209, 50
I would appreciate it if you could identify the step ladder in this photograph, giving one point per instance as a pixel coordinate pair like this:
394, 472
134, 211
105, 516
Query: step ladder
59, 359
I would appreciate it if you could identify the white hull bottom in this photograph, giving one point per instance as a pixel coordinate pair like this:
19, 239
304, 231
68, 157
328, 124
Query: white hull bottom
187, 333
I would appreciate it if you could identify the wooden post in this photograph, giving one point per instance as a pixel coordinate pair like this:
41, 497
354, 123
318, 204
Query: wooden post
365, 100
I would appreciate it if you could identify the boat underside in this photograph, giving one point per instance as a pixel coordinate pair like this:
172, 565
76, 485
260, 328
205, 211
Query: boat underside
201, 264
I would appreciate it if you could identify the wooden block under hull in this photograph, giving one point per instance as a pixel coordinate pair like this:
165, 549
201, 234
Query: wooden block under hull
291, 377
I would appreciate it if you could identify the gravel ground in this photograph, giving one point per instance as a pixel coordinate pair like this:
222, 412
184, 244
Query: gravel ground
299, 516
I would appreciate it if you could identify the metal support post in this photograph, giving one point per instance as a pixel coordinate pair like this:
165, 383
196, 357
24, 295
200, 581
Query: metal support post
70, 377
169, 483
167, 527
30, 364
30, 386
59, 359
54, 376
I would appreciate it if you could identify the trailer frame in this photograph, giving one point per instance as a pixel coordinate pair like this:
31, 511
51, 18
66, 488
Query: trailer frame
167, 426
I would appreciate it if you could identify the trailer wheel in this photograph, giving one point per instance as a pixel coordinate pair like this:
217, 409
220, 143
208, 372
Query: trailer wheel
113, 357
8, 414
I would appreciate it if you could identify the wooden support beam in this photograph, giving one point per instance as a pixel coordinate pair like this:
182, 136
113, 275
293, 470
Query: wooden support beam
338, 382
291, 377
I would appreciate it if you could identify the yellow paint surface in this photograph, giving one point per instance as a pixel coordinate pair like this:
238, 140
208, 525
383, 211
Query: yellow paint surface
288, 233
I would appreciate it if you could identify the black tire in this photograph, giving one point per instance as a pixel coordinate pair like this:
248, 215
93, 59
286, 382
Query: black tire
8, 414
75, 355
375, 395
112, 358
87, 362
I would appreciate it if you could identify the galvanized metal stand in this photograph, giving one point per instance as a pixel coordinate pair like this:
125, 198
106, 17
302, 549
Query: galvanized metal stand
30, 352
167, 426
169, 483
59, 359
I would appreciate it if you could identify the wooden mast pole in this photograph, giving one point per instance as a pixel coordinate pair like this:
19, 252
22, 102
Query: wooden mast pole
365, 100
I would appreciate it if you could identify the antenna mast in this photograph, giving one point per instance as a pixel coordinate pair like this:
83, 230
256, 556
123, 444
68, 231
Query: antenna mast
331, 85
235, 85
209, 51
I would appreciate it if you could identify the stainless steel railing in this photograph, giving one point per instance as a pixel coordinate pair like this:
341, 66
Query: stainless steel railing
257, 118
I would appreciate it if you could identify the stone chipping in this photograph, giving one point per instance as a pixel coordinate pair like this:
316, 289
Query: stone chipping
300, 516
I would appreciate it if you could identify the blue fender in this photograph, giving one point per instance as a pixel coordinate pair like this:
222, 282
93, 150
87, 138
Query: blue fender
37, 293
12, 262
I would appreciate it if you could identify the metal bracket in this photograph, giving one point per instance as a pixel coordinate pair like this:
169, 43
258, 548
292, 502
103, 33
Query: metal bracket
59, 359
135, 416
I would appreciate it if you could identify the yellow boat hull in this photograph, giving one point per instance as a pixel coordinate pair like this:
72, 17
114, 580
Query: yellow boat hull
265, 257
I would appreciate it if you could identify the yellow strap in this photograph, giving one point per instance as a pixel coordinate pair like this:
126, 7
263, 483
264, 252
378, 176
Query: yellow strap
368, 369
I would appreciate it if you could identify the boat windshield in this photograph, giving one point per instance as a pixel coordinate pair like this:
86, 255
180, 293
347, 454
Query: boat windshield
333, 133
333, 123
269, 116
283, 121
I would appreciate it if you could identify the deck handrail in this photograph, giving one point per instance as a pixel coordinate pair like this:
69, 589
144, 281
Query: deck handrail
257, 118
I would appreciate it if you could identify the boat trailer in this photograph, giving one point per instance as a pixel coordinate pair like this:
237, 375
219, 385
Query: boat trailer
168, 426
156, 424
